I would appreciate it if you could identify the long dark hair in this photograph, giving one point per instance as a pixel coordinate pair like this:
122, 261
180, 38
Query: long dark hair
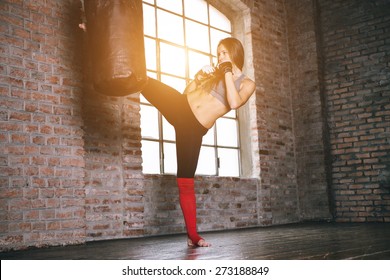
236, 53
235, 49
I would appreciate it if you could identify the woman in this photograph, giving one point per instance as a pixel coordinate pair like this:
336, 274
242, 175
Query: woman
213, 93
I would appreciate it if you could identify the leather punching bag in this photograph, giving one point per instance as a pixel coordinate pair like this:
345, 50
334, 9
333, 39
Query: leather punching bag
116, 45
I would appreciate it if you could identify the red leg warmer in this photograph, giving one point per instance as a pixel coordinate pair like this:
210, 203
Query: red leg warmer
188, 206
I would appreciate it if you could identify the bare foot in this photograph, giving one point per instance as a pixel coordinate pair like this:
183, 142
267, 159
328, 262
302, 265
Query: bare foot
201, 243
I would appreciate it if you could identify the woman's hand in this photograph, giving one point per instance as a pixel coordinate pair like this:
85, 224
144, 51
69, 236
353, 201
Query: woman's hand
206, 72
208, 69
225, 67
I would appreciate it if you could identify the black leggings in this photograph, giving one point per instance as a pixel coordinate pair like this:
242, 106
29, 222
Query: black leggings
189, 132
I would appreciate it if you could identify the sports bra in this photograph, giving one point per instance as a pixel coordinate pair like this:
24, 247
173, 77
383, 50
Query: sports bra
219, 90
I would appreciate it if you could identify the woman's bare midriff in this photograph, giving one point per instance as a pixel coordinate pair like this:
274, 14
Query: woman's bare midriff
206, 108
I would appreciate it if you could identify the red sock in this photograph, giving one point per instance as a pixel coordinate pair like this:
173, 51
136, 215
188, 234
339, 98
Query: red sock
188, 206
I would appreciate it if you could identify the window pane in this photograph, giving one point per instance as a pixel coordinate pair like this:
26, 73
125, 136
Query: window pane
228, 162
208, 139
171, 5
196, 9
214, 59
172, 60
170, 164
227, 132
217, 36
168, 131
219, 20
170, 27
150, 22
152, 74
150, 54
176, 83
149, 1
150, 157
197, 36
206, 163
196, 62
149, 122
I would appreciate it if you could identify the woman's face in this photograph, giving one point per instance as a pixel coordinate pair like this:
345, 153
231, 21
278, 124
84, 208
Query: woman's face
223, 54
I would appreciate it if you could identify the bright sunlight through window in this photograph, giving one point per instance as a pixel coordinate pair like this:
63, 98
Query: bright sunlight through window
181, 36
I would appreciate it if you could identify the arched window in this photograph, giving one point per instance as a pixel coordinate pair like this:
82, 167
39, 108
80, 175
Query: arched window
181, 36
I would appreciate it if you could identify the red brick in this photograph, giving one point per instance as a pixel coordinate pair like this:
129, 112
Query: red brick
19, 138
11, 193
55, 225
46, 129
31, 215
30, 150
39, 140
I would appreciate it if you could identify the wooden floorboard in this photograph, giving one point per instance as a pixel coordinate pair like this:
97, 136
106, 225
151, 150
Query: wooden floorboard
307, 241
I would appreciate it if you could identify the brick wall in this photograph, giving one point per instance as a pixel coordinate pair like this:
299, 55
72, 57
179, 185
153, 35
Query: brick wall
114, 185
278, 182
41, 146
223, 203
308, 110
356, 45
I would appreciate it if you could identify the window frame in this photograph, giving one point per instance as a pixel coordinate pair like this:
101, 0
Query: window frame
157, 73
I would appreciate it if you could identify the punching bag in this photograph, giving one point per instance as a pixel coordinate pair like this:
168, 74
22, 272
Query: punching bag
116, 45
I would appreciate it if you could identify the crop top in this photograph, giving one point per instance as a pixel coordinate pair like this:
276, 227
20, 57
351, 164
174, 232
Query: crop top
219, 90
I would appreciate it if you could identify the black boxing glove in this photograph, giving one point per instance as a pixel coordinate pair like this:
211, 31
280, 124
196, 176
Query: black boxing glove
225, 67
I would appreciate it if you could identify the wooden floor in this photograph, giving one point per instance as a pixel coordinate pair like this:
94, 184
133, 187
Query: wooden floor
365, 241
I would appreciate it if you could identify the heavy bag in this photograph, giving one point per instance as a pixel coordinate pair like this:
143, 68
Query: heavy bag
116, 44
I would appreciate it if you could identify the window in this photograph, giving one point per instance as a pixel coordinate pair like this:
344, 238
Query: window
181, 36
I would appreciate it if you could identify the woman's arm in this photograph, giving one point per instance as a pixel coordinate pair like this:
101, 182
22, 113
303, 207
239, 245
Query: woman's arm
238, 98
